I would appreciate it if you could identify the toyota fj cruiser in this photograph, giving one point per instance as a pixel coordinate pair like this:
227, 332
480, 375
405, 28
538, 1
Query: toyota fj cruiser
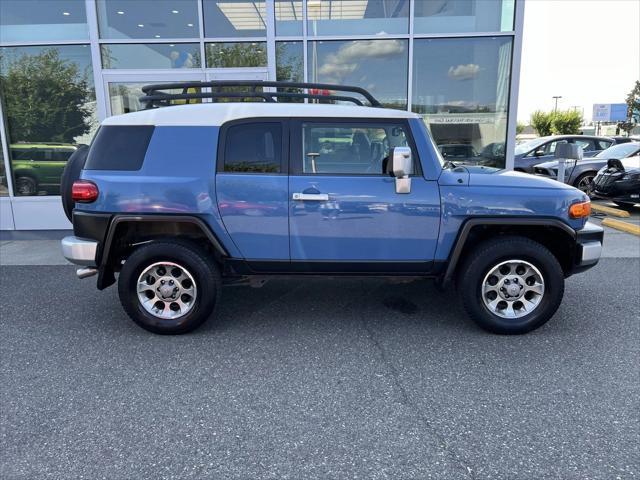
179, 201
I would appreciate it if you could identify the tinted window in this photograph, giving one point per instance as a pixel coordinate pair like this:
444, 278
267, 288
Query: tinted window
119, 148
603, 144
349, 149
253, 148
587, 145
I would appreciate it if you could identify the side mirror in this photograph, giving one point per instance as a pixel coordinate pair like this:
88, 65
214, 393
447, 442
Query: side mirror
539, 153
402, 167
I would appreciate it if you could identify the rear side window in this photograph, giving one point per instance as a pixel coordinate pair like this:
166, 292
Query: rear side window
253, 148
119, 147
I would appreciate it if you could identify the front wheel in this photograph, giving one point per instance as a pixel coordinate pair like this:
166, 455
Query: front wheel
585, 182
511, 285
169, 287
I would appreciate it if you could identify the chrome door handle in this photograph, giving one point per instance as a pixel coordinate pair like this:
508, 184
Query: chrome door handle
318, 197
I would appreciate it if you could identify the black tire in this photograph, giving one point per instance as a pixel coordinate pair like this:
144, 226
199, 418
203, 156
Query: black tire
26, 186
491, 253
588, 176
70, 174
189, 257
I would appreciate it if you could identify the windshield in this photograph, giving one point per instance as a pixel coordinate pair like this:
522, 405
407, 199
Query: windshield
619, 151
530, 145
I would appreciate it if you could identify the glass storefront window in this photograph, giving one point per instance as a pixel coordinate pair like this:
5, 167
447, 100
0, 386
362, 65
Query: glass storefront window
289, 61
124, 97
288, 17
456, 16
461, 88
235, 18
148, 18
50, 109
151, 55
236, 54
357, 17
290, 67
380, 66
51, 20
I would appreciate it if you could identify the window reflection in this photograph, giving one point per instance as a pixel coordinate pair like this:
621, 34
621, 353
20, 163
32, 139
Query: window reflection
235, 18
236, 54
30, 20
288, 17
451, 16
151, 55
124, 97
45, 128
357, 17
461, 88
289, 67
148, 18
380, 66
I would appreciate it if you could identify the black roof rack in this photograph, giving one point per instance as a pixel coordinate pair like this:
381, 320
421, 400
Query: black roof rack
156, 96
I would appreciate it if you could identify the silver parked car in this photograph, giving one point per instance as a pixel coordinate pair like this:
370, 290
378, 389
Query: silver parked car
580, 174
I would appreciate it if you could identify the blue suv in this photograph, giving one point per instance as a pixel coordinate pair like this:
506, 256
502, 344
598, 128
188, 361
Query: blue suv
179, 201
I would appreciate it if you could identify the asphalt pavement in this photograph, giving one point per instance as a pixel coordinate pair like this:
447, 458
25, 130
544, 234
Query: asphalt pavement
323, 379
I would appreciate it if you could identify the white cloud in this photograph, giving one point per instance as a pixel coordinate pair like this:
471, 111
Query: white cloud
346, 60
464, 72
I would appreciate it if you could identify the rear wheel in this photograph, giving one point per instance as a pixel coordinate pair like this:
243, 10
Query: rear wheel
511, 285
169, 287
584, 182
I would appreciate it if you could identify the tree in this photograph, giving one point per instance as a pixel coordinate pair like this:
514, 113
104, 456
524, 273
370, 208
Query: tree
633, 110
541, 122
45, 97
566, 122
520, 128
633, 103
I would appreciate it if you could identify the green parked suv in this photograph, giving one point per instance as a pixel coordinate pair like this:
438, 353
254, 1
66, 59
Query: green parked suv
37, 167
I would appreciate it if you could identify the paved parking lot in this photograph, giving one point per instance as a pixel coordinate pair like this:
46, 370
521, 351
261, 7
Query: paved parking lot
321, 379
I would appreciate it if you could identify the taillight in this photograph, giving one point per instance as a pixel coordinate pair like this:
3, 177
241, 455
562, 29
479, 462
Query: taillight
580, 210
84, 191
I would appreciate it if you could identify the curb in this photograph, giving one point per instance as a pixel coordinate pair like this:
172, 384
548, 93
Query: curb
609, 210
623, 226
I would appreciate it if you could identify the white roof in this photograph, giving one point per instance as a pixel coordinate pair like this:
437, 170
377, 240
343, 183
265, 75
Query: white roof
215, 114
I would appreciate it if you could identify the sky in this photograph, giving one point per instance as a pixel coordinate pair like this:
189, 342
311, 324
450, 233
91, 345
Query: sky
587, 51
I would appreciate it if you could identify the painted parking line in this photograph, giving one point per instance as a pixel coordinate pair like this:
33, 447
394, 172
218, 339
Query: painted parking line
622, 226
610, 211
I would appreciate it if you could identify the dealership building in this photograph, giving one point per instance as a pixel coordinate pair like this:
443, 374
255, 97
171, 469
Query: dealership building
67, 64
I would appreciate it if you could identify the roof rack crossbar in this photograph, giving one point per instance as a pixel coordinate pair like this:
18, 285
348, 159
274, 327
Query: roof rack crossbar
155, 96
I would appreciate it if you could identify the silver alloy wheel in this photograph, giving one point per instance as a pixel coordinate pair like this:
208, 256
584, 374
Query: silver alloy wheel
512, 289
166, 290
585, 183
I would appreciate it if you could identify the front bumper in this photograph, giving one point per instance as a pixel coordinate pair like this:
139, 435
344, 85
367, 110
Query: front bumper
80, 251
589, 246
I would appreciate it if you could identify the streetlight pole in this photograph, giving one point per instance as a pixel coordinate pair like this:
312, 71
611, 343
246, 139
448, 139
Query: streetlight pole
556, 97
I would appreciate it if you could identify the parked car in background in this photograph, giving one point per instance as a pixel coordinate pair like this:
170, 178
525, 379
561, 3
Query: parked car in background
619, 181
620, 139
580, 174
534, 152
37, 167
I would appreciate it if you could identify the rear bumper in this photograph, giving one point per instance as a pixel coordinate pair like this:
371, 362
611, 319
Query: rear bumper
589, 246
80, 251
